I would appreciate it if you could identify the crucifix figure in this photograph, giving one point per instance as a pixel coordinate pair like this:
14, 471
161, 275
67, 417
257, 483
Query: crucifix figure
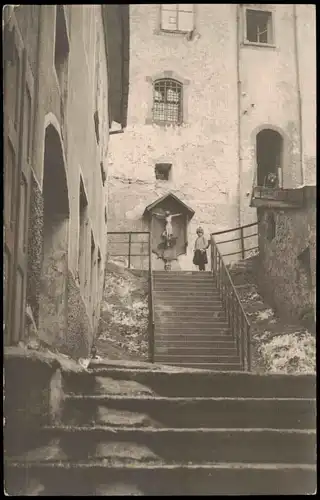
168, 231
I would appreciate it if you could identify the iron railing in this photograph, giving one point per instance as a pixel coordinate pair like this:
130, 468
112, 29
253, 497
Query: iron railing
126, 248
237, 318
243, 250
281, 195
151, 308
278, 193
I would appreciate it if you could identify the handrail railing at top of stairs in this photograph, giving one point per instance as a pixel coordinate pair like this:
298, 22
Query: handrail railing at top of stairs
237, 318
151, 307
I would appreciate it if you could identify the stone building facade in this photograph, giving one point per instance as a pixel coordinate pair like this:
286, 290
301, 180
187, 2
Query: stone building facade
61, 95
287, 255
214, 89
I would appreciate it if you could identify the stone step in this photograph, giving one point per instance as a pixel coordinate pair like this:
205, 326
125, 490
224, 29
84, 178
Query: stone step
185, 445
191, 338
213, 367
190, 343
177, 307
187, 302
192, 322
184, 293
196, 358
146, 410
95, 478
187, 285
165, 349
183, 277
192, 328
191, 314
208, 283
201, 274
167, 381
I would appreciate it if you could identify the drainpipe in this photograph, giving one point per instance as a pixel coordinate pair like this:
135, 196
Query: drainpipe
239, 110
296, 48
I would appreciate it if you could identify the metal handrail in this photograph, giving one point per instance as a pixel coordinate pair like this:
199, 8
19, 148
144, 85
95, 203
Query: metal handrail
234, 229
151, 307
128, 253
237, 318
241, 238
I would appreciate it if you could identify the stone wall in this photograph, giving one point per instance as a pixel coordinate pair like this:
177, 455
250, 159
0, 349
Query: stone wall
282, 277
35, 247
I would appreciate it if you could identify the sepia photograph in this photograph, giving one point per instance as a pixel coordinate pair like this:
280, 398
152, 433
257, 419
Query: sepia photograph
159, 249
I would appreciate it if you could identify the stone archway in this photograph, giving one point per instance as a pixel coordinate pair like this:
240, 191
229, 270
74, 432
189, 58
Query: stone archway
53, 282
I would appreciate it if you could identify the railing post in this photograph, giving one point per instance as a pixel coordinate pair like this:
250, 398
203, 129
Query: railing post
242, 243
248, 329
243, 339
129, 252
151, 319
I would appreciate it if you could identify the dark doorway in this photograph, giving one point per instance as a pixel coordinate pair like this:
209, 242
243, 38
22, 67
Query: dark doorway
53, 294
269, 149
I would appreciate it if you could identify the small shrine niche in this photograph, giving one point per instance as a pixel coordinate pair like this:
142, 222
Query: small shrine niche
168, 222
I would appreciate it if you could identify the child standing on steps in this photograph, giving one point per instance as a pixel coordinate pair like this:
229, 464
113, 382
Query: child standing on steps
200, 250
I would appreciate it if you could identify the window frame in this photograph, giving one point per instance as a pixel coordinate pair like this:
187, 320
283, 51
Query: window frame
166, 121
160, 31
150, 93
264, 8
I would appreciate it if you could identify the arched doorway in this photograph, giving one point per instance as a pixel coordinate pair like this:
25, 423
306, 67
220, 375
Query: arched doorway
269, 151
53, 292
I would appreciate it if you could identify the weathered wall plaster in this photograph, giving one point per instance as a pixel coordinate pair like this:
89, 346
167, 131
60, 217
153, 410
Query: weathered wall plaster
53, 298
35, 247
282, 278
80, 331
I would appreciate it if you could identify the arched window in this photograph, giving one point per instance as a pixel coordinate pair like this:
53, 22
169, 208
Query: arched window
269, 149
167, 101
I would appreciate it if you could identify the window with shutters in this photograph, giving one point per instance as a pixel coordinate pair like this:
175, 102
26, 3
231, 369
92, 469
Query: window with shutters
177, 17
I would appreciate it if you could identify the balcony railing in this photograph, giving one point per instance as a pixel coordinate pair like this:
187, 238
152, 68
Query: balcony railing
237, 318
292, 197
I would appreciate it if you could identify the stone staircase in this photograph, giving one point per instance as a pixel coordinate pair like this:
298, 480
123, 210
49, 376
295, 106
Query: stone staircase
138, 429
191, 327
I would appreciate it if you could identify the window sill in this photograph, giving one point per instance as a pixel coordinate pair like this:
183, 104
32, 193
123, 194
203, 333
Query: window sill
169, 32
163, 124
258, 44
